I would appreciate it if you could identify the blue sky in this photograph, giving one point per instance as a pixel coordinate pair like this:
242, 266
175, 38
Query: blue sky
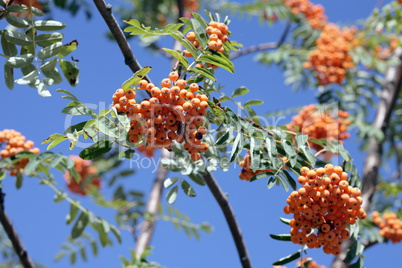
41, 223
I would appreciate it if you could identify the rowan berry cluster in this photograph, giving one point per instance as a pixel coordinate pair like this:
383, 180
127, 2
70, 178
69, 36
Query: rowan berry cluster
331, 58
320, 124
175, 112
149, 150
190, 6
322, 208
390, 226
315, 14
217, 33
383, 53
88, 179
13, 142
308, 263
247, 173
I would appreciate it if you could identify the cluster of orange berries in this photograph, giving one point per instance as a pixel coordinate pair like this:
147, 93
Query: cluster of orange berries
384, 53
327, 203
13, 142
149, 150
190, 6
320, 125
86, 171
304, 263
247, 173
331, 57
175, 112
308, 263
390, 226
315, 14
217, 32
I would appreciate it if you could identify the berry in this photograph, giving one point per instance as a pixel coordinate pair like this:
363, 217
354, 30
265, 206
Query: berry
87, 172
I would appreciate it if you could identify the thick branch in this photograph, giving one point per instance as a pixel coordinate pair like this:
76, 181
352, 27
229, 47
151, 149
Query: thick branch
13, 236
389, 95
223, 202
129, 59
264, 46
152, 207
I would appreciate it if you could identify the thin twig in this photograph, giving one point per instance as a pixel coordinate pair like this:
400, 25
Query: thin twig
19, 248
264, 46
106, 12
223, 202
389, 95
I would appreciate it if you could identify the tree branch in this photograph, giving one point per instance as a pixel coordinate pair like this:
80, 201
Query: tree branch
223, 202
389, 95
106, 12
264, 46
19, 248
148, 225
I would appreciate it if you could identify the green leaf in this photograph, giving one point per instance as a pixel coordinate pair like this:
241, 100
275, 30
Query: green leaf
9, 76
43, 90
240, 91
271, 182
223, 137
253, 102
200, 32
18, 22
136, 78
59, 197
9, 49
48, 39
128, 154
72, 215
116, 233
178, 56
77, 109
197, 179
290, 152
170, 181
70, 71
15, 8
187, 188
73, 257
79, 225
237, 147
187, 44
261, 175
106, 126
28, 79
17, 38
290, 180
288, 258
271, 148
95, 150
68, 48
218, 59
281, 237
172, 195
20, 61
203, 72
37, 12
19, 180
54, 139
286, 221
49, 25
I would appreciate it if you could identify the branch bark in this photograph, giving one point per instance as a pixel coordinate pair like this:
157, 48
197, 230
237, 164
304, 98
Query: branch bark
223, 202
106, 12
19, 248
148, 226
389, 95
